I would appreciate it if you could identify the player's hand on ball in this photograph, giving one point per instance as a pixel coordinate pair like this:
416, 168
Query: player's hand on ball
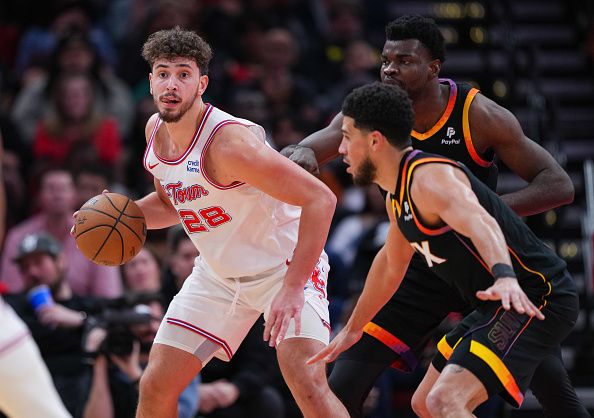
75, 214
344, 340
508, 290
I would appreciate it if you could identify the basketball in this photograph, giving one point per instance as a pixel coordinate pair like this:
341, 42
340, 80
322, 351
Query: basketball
110, 229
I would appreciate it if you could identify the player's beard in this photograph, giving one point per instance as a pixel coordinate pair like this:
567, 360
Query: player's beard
171, 117
365, 174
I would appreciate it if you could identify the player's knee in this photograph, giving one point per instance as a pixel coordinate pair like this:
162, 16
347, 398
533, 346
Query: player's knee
151, 386
440, 402
419, 405
312, 377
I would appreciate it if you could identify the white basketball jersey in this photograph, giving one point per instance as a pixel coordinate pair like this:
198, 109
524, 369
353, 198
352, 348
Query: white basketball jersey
239, 230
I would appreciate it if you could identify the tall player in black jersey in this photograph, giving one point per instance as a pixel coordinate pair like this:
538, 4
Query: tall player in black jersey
453, 120
524, 301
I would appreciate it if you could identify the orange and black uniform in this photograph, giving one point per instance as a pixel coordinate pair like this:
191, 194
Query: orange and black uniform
400, 331
407, 321
502, 348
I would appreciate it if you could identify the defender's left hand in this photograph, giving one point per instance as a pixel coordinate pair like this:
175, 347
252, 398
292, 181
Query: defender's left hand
342, 342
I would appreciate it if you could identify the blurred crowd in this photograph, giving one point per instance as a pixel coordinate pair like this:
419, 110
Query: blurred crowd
74, 101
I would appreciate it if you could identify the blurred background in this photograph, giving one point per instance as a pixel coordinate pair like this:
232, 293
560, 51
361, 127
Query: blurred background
74, 99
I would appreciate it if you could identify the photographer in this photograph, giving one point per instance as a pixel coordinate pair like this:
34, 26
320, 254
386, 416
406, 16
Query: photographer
55, 317
120, 344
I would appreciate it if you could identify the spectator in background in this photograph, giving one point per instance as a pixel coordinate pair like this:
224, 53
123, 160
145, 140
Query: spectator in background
90, 181
287, 129
358, 68
284, 90
142, 273
13, 180
114, 390
251, 104
38, 44
77, 132
344, 24
179, 262
57, 327
56, 205
27, 387
77, 54
150, 17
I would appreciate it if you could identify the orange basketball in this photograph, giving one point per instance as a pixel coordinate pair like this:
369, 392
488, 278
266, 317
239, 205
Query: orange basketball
110, 229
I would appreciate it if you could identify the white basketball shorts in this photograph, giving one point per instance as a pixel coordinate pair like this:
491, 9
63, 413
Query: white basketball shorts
218, 313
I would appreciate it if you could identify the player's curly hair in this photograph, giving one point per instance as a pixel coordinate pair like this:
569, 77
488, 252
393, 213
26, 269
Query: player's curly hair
384, 108
418, 27
177, 42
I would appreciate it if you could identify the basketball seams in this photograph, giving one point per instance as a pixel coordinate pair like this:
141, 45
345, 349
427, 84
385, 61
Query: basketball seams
122, 212
121, 244
100, 244
113, 228
115, 219
113, 204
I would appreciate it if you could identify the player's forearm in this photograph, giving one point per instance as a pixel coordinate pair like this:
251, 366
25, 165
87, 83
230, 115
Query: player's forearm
157, 213
325, 142
487, 237
381, 283
314, 225
548, 190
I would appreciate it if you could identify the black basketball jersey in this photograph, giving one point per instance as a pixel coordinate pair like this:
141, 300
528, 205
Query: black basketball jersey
451, 137
453, 257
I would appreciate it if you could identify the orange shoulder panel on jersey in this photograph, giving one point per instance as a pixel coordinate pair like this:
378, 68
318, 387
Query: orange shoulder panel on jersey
443, 119
422, 228
397, 203
466, 130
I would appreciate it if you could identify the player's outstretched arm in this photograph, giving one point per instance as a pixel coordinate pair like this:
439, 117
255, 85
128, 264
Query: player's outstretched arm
317, 148
432, 191
239, 155
384, 278
549, 186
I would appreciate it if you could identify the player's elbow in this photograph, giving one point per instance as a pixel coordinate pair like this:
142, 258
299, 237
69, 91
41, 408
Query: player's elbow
567, 192
324, 202
561, 183
327, 200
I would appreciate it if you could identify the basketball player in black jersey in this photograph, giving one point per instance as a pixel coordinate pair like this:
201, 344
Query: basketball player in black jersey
524, 301
457, 121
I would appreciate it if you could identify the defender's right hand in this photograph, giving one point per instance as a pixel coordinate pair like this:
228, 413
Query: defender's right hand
511, 295
302, 156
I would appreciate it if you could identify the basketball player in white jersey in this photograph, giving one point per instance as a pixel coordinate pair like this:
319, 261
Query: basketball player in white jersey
26, 387
260, 223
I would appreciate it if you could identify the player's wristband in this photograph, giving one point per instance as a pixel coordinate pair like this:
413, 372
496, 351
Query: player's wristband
502, 270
